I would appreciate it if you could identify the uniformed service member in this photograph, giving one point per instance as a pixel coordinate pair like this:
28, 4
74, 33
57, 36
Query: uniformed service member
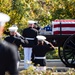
8, 52
16, 39
40, 50
30, 34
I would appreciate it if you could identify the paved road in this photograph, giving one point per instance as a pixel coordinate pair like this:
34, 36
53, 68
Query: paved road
50, 65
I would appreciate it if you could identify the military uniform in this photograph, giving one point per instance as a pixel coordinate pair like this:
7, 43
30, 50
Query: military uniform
16, 40
39, 52
30, 34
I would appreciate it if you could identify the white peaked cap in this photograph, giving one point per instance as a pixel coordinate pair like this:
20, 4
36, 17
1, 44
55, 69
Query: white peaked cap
13, 28
40, 37
31, 22
36, 21
4, 18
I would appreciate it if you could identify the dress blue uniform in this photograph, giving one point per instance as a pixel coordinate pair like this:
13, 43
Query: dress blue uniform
16, 40
30, 34
40, 51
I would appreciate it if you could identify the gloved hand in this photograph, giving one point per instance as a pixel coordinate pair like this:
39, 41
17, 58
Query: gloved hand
18, 34
46, 42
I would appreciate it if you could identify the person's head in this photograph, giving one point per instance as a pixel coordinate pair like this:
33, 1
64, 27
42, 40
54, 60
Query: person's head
3, 19
41, 39
36, 24
13, 29
31, 23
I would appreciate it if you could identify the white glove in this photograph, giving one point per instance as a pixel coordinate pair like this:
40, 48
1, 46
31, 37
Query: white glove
46, 42
18, 34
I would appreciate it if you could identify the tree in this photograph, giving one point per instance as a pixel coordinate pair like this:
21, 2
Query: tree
44, 11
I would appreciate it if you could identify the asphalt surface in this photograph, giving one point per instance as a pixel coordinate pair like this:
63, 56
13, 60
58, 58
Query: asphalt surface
51, 64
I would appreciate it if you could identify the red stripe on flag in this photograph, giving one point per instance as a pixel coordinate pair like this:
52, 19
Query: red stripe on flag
64, 25
64, 32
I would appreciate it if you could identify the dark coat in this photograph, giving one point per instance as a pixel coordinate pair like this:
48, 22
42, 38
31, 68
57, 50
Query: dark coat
16, 40
30, 33
40, 51
8, 58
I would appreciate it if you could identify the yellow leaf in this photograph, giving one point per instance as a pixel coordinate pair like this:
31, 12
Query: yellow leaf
47, 1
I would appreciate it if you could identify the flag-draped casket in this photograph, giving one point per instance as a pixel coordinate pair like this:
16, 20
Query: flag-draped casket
64, 27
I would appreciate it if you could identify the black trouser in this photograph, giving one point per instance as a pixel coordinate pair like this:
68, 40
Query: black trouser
41, 62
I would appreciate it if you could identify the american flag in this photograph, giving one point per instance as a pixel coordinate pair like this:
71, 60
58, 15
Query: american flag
64, 27
48, 28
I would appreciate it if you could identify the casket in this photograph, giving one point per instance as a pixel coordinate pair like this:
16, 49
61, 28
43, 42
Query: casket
64, 27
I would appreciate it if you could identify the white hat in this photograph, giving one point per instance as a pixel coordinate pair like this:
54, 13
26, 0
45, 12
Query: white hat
41, 38
13, 28
36, 21
3, 18
31, 22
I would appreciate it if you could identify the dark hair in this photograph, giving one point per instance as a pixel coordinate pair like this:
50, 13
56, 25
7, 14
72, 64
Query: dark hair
40, 42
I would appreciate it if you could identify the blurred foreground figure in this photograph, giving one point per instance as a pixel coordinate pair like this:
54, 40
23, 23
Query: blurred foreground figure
39, 52
8, 52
